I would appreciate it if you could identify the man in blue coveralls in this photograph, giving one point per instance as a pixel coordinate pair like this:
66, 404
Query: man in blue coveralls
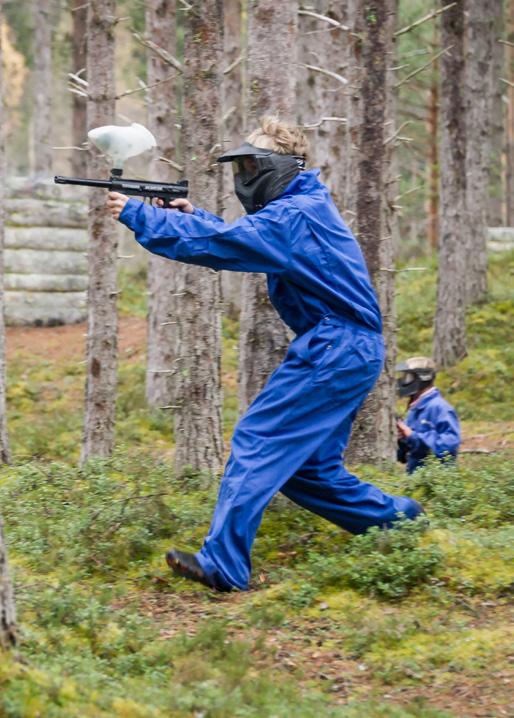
432, 425
292, 437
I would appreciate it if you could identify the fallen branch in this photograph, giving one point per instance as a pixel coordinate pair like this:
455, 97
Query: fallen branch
423, 67
506, 42
507, 82
431, 15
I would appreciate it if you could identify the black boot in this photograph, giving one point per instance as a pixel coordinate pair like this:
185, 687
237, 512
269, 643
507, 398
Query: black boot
187, 565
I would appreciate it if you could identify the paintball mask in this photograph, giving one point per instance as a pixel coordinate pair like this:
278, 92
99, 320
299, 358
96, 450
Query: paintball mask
261, 175
417, 373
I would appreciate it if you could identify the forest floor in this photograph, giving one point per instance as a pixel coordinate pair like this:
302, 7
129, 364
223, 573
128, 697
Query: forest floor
59, 345
411, 623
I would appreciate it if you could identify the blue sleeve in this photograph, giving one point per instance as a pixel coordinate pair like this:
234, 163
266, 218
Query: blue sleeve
205, 214
253, 243
441, 437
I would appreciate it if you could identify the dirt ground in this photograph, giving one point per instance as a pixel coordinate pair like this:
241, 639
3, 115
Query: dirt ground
67, 343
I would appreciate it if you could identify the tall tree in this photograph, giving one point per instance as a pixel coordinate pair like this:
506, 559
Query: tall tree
497, 68
322, 97
450, 319
7, 611
7, 608
234, 74
272, 39
42, 121
198, 424
102, 342
4, 441
509, 144
371, 130
162, 300
78, 111
480, 30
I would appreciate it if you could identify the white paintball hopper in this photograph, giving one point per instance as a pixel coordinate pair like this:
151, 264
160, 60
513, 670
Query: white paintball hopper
120, 143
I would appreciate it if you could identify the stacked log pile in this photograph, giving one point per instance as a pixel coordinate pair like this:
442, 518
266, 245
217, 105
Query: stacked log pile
46, 245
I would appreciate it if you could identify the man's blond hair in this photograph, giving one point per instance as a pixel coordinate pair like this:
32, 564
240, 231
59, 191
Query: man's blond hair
281, 137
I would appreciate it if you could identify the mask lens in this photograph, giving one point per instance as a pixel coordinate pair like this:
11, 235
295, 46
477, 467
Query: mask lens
407, 378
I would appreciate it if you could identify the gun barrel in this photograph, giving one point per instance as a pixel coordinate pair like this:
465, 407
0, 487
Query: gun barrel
105, 184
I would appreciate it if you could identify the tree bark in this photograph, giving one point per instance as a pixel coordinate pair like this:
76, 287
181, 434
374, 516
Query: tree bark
450, 319
371, 127
162, 302
7, 608
42, 121
325, 46
78, 110
509, 143
433, 156
498, 117
272, 38
198, 422
479, 49
102, 315
234, 56
4, 440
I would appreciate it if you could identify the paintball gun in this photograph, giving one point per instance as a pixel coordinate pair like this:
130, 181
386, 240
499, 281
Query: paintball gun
120, 143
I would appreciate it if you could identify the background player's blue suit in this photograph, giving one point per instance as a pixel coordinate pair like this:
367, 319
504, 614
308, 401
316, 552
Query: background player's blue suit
435, 430
292, 436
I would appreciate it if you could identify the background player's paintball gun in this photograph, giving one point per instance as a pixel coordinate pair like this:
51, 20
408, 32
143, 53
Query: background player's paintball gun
120, 143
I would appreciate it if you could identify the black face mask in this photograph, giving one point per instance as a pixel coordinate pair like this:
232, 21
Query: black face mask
261, 175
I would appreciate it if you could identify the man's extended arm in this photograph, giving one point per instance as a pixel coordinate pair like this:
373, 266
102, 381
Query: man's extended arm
251, 244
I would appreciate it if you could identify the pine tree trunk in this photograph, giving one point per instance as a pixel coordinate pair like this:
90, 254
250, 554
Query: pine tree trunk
7, 609
233, 117
162, 302
4, 440
325, 46
102, 341
198, 422
371, 127
272, 38
78, 110
495, 208
479, 48
42, 121
450, 319
433, 155
509, 142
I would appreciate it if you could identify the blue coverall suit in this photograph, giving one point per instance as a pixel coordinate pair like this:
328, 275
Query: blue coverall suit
292, 437
435, 430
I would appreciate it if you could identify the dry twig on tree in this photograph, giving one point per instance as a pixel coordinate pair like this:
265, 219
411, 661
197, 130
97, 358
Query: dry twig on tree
431, 15
318, 16
423, 67
313, 125
163, 54
323, 71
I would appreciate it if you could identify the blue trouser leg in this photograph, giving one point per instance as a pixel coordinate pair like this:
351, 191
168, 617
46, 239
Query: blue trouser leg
319, 387
324, 486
